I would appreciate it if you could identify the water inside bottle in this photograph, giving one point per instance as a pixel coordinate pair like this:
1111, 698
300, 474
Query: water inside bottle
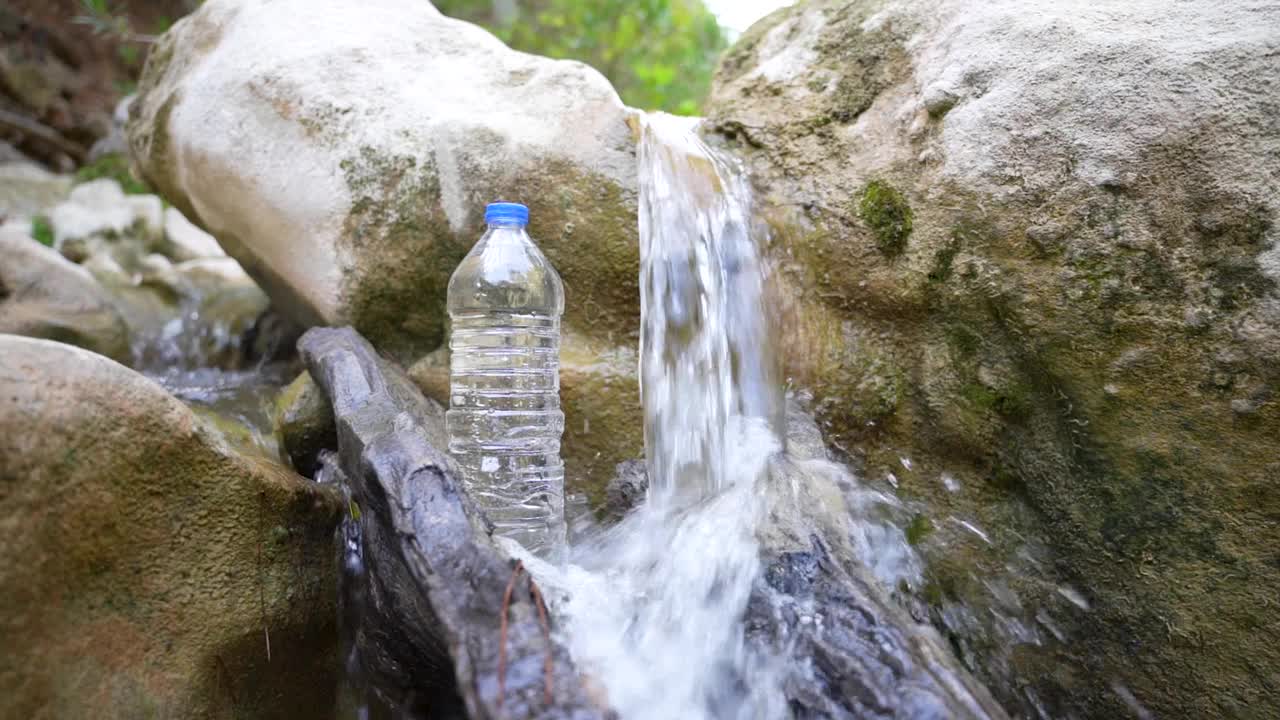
504, 420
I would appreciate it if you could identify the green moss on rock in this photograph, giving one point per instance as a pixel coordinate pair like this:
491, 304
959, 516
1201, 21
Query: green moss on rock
405, 251
42, 230
887, 213
115, 167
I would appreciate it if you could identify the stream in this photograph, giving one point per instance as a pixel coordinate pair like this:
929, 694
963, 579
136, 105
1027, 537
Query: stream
653, 606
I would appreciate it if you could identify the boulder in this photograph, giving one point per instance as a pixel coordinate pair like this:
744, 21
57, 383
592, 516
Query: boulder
1028, 253
401, 124
148, 569
304, 424
27, 189
44, 295
99, 211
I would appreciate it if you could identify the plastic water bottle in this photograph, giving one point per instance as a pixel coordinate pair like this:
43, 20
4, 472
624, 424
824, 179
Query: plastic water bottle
504, 419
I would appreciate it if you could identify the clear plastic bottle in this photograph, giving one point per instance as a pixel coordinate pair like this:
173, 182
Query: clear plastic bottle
504, 420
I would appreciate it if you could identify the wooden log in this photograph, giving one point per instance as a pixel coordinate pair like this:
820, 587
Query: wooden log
444, 623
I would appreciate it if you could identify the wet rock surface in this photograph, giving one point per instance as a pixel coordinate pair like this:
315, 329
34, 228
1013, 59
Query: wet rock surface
1028, 264
852, 652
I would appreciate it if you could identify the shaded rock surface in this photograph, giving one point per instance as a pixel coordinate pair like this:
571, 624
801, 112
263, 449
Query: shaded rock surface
148, 568
63, 64
1029, 255
436, 622
402, 124
304, 425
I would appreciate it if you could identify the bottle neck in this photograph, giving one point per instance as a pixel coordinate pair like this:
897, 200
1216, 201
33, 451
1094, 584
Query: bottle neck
507, 225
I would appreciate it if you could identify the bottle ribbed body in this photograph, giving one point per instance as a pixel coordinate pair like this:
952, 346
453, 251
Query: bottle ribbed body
504, 420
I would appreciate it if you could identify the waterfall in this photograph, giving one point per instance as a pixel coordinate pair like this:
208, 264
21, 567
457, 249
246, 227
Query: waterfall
653, 607
707, 354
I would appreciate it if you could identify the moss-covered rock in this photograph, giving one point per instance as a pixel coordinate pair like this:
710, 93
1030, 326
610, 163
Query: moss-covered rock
149, 569
887, 212
1052, 324
304, 424
396, 173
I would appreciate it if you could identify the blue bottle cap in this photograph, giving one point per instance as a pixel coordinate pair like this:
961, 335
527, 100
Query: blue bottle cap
506, 212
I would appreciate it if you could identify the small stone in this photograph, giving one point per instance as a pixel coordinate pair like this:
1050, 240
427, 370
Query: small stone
627, 489
1243, 407
939, 98
148, 213
1197, 317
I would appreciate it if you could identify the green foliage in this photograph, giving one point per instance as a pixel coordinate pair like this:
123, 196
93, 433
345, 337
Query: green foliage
659, 54
887, 212
100, 17
42, 231
116, 167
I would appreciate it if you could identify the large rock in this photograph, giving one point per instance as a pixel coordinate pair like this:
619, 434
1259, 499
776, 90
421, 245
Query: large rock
1031, 252
147, 568
348, 167
26, 189
44, 295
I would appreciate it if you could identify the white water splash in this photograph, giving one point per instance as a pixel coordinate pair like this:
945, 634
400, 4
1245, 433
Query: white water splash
653, 607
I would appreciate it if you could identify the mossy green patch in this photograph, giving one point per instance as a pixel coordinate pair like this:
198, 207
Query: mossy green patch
884, 209
405, 251
115, 167
918, 529
943, 260
42, 230
1011, 402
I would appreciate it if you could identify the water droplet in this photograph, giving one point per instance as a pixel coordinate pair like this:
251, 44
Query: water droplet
972, 528
1074, 597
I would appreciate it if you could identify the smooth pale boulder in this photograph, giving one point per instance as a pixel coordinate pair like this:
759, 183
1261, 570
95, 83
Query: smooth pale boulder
148, 569
44, 295
344, 152
27, 189
100, 209
1029, 253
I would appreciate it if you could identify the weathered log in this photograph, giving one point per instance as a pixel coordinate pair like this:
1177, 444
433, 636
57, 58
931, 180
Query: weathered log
443, 622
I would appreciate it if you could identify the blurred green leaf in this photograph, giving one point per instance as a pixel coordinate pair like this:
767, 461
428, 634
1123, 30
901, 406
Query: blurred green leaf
659, 54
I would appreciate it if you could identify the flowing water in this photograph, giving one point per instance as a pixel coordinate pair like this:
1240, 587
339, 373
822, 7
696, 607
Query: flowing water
653, 606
